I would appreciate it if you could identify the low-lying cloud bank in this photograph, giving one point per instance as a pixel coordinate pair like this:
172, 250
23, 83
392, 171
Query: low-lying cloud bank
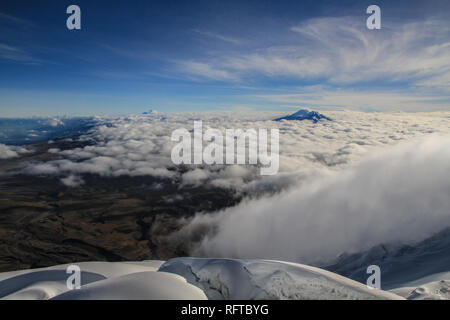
7, 152
140, 145
399, 195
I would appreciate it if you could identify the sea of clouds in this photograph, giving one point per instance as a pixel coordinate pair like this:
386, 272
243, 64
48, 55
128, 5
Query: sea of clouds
344, 185
139, 145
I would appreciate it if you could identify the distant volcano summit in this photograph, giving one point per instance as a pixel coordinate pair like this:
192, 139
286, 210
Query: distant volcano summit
304, 114
151, 111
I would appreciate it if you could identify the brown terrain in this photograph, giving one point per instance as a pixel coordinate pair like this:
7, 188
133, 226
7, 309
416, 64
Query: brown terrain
43, 222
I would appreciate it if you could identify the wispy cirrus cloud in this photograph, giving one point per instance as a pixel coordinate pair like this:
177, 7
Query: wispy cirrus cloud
199, 70
218, 36
9, 50
15, 20
326, 97
333, 62
339, 50
16, 54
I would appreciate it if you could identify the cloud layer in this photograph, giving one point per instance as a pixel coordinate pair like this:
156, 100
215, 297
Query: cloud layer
140, 145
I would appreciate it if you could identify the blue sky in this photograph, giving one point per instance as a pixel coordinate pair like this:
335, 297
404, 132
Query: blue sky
131, 56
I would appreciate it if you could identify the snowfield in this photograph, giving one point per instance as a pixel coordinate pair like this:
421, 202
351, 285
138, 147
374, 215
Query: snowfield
266, 279
190, 278
435, 287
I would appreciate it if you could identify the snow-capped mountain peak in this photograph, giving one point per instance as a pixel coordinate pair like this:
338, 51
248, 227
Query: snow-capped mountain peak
304, 114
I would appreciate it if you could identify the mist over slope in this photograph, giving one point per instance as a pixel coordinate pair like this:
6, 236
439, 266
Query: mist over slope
399, 264
401, 194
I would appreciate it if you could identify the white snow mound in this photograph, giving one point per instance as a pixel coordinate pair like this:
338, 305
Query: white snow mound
99, 280
148, 285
